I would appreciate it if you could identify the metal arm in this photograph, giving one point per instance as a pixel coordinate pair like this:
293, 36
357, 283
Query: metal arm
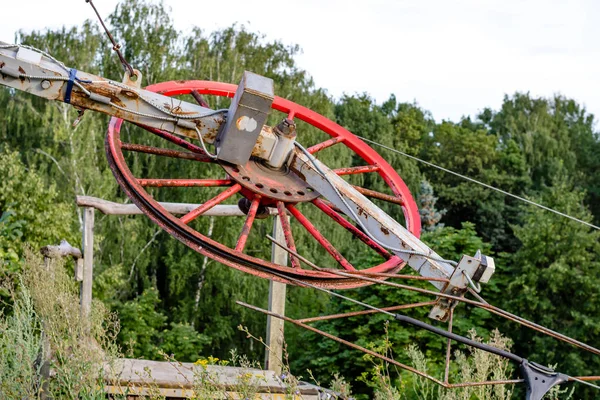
393, 236
41, 75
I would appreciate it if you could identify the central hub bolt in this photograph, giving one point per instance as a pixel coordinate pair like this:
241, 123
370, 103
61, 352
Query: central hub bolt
286, 128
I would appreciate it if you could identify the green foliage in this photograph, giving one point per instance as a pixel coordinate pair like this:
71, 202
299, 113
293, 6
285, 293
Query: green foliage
10, 235
552, 280
173, 300
474, 365
47, 349
372, 331
430, 216
20, 347
142, 324
452, 243
29, 212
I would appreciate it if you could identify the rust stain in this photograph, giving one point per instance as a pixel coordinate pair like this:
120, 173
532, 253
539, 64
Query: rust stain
130, 94
108, 91
179, 111
258, 148
21, 70
362, 212
385, 230
210, 135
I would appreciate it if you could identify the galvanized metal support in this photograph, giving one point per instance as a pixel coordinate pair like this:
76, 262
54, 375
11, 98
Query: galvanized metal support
277, 295
88, 262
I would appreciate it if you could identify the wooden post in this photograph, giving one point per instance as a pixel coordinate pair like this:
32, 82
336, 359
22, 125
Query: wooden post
275, 337
88, 261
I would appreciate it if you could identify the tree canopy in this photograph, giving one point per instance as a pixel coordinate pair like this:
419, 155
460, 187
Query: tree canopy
172, 299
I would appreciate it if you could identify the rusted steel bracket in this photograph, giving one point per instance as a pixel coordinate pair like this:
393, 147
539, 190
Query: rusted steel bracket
470, 271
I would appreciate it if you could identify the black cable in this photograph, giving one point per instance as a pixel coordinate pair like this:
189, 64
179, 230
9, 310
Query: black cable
458, 338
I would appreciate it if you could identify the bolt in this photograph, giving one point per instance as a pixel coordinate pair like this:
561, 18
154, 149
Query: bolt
46, 84
287, 128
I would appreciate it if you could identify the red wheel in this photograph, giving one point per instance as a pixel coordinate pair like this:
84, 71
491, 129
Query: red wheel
247, 181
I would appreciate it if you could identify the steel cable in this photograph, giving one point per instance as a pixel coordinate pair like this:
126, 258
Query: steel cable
504, 192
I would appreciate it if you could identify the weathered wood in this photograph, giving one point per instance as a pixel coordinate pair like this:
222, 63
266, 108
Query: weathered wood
88, 261
64, 249
178, 380
277, 293
112, 208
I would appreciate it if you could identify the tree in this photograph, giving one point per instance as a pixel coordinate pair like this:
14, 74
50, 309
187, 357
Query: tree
553, 281
554, 135
430, 216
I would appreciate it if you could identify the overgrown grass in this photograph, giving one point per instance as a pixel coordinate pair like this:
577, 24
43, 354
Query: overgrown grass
47, 350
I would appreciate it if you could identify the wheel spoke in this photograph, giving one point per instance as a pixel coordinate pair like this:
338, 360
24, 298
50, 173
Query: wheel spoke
165, 152
195, 213
332, 206
356, 170
378, 195
353, 229
185, 182
241, 243
287, 232
323, 145
174, 139
200, 99
320, 238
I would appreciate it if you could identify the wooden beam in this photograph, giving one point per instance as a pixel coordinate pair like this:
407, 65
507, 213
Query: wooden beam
139, 378
88, 261
277, 294
112, 208
62, 250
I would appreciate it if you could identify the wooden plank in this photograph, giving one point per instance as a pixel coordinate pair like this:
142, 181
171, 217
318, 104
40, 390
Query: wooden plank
189, 393
112, 208
178, 380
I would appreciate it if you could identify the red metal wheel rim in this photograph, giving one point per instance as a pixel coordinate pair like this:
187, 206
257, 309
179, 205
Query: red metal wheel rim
230, 256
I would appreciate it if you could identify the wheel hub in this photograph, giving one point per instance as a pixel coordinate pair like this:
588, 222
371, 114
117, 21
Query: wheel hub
275, 184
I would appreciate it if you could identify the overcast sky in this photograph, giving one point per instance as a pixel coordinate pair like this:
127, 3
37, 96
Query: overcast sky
452, 57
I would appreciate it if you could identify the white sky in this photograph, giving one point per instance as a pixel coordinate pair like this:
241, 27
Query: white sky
453, 57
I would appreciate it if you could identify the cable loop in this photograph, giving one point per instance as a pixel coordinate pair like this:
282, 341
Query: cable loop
475, 286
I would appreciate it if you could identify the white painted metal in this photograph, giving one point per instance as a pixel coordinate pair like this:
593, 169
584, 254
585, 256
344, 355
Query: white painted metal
380, 225
384, 229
